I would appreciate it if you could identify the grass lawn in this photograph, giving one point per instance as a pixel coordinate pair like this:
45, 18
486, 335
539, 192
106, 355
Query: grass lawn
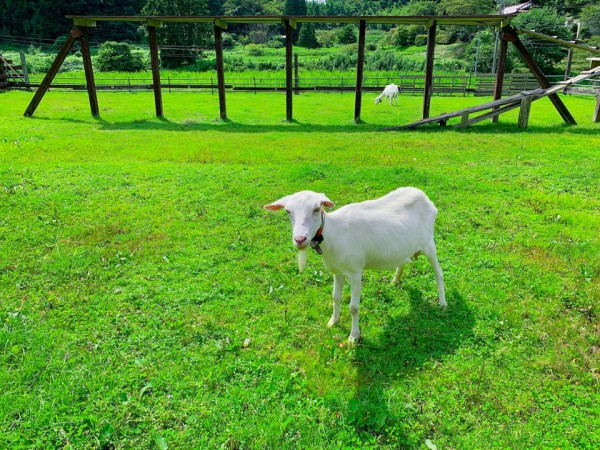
148, 301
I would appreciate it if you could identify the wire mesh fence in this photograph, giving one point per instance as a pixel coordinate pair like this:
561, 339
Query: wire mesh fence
450, 85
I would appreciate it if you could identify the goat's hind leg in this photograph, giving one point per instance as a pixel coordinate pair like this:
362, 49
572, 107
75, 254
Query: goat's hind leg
355, 287
431, 254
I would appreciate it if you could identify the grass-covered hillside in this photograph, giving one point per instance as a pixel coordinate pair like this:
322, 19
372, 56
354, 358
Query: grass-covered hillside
148, 301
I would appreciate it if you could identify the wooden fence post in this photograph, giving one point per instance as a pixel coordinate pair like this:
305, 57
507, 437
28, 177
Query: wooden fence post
220, 71
24, 67
89, 72
362, 27
428, 90
568, 64
288, 71
524, 112
155, 70
500, 72
296, 75
596, 118
54, 68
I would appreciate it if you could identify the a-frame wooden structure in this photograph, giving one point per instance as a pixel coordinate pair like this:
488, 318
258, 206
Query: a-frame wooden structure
82, 23
501, 22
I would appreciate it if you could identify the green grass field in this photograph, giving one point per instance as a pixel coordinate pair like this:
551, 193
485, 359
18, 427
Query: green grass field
148, 301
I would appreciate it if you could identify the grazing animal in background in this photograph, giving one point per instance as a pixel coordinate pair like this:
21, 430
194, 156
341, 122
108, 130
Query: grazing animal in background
391, 91
375, 234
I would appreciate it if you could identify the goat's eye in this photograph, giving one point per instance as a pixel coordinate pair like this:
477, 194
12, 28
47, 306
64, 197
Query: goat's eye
316, 210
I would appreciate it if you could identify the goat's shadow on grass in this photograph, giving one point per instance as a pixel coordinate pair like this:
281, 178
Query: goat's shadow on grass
409, 343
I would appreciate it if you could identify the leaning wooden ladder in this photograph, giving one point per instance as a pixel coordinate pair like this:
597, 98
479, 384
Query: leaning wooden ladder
497, 107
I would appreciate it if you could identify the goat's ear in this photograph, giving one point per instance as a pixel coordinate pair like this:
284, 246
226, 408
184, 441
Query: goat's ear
275, 206
325, 201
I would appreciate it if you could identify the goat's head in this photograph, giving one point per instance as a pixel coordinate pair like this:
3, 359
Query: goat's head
304, 209
378, 100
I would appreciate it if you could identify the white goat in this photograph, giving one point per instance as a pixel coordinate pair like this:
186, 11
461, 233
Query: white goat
391, 91
375, 234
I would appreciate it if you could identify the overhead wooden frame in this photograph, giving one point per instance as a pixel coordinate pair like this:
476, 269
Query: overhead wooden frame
220, 23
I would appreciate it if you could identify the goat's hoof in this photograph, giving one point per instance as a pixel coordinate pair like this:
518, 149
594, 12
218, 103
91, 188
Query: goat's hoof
443, 304
353, 340
332, 322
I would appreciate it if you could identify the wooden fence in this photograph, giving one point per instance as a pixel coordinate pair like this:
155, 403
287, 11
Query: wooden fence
448, 85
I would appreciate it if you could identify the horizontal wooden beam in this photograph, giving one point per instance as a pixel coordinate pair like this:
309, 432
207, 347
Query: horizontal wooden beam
155, 23
82, 22
556, 40
483, 20
221, 24
293, 23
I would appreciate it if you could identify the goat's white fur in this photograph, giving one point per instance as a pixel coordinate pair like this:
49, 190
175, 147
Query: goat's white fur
391, 91
376, 234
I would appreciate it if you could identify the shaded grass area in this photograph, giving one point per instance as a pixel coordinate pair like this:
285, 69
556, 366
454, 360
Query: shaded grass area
136, 261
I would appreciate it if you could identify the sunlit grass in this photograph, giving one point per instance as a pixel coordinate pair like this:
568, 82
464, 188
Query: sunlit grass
136, 261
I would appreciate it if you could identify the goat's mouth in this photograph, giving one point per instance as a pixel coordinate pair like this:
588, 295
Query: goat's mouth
302, 245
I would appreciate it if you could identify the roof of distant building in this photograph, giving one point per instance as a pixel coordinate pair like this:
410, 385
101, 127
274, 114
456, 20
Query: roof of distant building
516, 9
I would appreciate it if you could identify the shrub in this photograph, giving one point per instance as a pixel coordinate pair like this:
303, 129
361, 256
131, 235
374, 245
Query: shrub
118, 57
227, 40
420, 39
274, 44
254, 49
326, 38
346, 35
371, 46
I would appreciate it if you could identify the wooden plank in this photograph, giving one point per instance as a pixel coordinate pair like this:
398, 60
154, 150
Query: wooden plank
54, 68
362, 27
542, 80
288, 71
220, 72
500, 70
431, 32
524, 112
494, 112
155, 63
596, 118
89, 72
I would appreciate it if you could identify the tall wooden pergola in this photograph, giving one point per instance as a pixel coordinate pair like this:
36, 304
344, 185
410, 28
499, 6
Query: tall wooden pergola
81, 24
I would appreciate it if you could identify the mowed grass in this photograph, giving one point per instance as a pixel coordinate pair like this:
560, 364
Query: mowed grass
148, 301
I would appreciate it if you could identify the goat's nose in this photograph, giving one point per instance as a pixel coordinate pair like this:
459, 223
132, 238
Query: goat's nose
299, 239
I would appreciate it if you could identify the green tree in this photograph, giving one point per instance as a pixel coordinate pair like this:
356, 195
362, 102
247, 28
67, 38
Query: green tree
295, 8
590, 16
464, 8
347, 35
180, 40
308, 37
547, 21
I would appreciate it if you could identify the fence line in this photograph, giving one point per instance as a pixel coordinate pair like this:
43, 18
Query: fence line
450, 85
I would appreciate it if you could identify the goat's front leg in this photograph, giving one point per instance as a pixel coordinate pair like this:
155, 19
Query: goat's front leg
338, 287
355, 287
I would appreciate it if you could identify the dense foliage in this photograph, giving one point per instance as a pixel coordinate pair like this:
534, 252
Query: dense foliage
182, 44
118, 57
